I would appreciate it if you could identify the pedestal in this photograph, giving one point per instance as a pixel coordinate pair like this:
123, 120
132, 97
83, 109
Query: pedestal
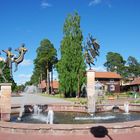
91, 90
5, 101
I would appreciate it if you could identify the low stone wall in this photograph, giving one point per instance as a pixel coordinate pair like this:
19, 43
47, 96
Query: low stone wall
80, 108
55, 107
132, 107
72, 108
68, 129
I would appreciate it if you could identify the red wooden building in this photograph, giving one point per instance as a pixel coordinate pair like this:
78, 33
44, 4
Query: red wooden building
109, 80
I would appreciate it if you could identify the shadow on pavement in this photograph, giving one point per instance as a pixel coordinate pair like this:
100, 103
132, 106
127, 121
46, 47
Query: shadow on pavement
100, 132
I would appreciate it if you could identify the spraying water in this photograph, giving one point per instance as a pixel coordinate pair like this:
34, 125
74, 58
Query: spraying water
126, 107
28, 90
50, 117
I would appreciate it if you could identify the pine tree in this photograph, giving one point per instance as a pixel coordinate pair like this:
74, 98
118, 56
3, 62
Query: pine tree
44, 62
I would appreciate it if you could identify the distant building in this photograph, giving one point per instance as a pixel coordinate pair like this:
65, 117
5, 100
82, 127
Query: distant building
109, 80
54, 85
135, 85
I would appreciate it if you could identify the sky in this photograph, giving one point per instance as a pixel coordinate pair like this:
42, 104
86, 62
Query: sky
114, 23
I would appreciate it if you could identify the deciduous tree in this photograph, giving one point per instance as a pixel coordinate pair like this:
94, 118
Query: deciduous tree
71, 66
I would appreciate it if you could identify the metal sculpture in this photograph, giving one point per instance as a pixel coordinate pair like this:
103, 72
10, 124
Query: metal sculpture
2, 75
10, 59
17, 60
91, 50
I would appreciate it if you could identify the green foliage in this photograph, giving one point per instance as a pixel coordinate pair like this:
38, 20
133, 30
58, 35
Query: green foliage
19, 88
6, 73
115, 63
135, 102
71, 66
133, 67
45, 60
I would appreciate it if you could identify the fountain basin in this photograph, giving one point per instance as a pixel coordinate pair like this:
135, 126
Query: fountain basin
74, 129
78, 117
68, 129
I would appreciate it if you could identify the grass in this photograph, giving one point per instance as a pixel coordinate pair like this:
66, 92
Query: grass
123, 95
83, 101
135, 102
72, 99
53, 96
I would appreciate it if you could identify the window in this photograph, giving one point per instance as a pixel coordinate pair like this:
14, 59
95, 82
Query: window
112, 88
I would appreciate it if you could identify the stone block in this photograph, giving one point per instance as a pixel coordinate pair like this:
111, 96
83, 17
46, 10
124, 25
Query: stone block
5, 101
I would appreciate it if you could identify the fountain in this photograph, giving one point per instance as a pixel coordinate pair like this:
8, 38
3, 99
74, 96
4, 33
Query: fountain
126, 107
115, 108
50, 116
28, 90
21, 112
31, 89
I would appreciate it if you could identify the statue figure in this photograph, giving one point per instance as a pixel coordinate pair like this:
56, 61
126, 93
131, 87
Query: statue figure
8, 61
91, 50
88, 58
11, 59
17, 60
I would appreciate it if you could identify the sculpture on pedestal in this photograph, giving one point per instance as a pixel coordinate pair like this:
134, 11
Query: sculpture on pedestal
91, 50
10, 59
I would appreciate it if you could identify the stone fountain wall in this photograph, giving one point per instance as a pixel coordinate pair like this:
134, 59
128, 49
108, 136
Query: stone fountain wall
5, 101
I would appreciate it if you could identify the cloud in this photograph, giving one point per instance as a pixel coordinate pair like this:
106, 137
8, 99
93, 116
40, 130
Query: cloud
98, 2
25, 76
98, 69
94, 2
27, 62
45, 4
22, 78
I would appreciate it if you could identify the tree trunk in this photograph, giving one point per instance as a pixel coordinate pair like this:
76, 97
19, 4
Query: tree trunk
78, 88
52, 81
41, 82
48, 81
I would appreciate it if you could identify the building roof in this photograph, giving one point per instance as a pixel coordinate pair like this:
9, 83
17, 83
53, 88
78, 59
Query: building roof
108, 75
43, 84
136, 81
55, 84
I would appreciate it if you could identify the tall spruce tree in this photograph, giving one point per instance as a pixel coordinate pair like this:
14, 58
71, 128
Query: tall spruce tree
71, 66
